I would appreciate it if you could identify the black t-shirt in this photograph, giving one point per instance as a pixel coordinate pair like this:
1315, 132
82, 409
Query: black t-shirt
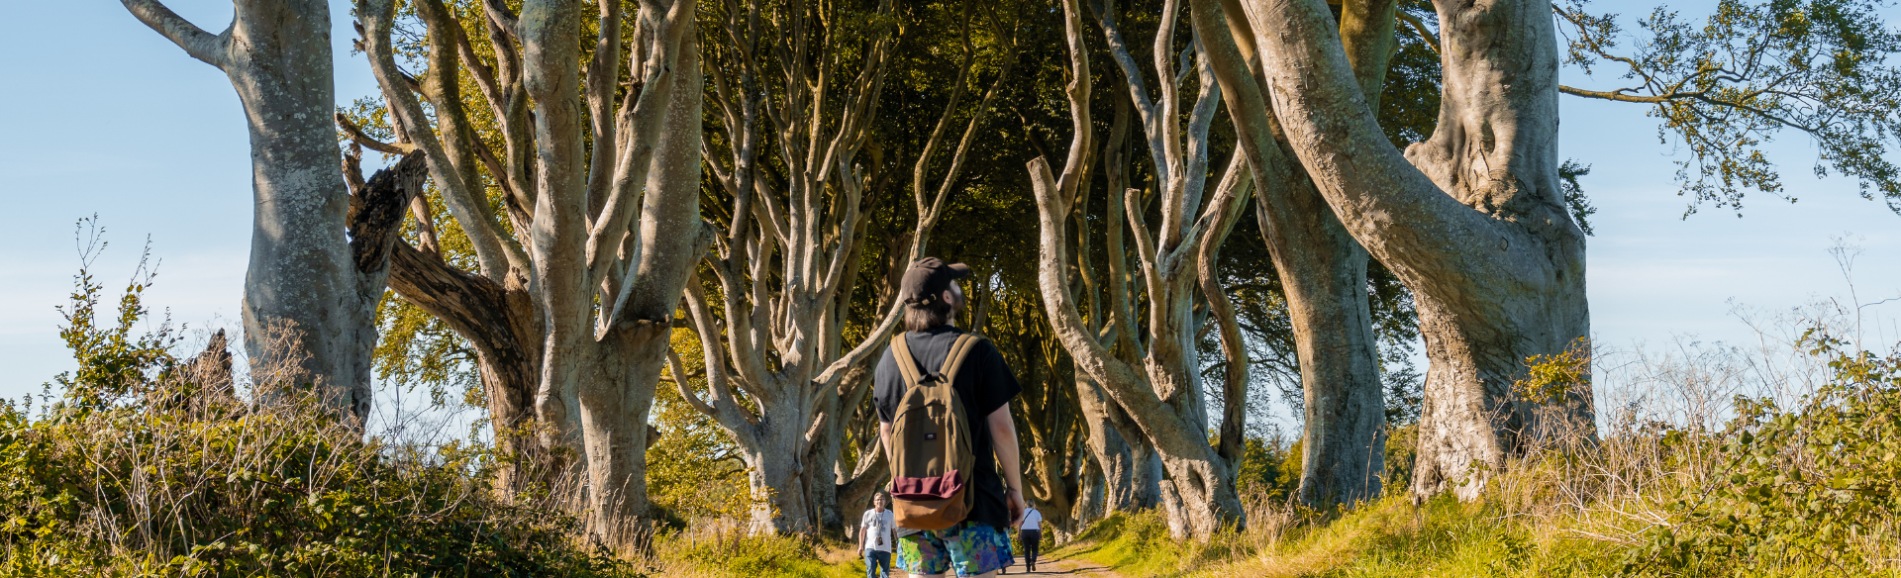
984, 384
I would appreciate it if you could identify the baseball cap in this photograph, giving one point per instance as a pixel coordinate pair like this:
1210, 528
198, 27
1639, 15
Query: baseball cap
928, 278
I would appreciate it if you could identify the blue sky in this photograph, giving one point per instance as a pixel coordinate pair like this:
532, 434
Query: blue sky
103, 116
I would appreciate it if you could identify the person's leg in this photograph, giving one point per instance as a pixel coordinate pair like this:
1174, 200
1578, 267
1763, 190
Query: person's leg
923, 555
1029, 553
884, 563
978, 550
1032, 546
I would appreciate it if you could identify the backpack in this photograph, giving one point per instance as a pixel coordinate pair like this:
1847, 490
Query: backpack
931, 459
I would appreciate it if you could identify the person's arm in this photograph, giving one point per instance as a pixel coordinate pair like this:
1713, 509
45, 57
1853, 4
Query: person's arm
1003, 437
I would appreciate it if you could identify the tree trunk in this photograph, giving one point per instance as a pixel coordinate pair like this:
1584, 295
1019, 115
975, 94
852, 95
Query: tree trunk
571, 310
614, 428
1323, 275
600, 365
825, 477
499, 321
1473, 220
300, 270
776, 473
1198, 494
306, 313
1321, 267
1164, 397
1049, 415
1496, 150
852, 484
1131, 472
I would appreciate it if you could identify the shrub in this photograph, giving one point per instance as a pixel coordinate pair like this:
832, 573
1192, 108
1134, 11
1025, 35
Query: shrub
142, 465
1816, 486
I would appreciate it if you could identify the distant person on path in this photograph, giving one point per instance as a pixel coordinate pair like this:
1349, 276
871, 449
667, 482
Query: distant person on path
979, 544
877, 532
1031, 535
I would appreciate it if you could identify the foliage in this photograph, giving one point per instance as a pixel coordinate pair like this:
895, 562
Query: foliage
1267, 470
1581, 209
416, 350
693, 469
1402, 446
113, 360
1550, 378
1724, 89
1816, 486
135, 471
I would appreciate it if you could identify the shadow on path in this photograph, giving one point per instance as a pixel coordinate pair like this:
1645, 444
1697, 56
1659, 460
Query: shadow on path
1063, 567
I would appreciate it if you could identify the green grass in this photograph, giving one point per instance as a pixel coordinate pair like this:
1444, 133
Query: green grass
1391, 537
739, 556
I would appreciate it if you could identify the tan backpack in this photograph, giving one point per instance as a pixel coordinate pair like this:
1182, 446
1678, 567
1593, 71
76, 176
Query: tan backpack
931, 459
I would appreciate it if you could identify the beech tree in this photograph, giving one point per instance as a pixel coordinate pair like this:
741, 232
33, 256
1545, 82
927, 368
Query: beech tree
1511, 286
1161, 390
1473, 220
304, 277
594, 156
1323, 273
796, 88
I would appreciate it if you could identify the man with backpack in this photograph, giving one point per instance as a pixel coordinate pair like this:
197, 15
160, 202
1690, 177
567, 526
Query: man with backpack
943, 399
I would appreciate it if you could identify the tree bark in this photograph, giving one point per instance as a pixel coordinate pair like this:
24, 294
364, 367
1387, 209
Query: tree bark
498, 320
1165, 397
308, 311
1131, 473
1321, 267
570, 316
616, 449
1472, 220
1344, 428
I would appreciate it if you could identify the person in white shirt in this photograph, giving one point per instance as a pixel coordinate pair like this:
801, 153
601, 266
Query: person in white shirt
875, 532
1030, 533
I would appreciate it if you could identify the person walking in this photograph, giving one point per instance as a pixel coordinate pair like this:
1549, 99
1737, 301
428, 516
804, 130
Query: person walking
1030, 533
979, 544
875, 529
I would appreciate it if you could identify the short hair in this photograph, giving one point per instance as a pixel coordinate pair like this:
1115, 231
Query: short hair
927, 315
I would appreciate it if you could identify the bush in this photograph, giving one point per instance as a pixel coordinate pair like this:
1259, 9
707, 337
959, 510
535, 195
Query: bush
1816, 487
142, 465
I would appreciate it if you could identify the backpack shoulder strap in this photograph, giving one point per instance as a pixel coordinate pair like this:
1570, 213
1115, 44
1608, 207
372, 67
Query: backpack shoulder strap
959, 350
907, 365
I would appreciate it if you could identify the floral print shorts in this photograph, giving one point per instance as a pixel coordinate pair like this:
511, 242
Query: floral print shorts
971, 548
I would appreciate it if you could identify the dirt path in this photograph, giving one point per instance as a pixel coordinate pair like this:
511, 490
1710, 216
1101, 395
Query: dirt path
1051, 566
